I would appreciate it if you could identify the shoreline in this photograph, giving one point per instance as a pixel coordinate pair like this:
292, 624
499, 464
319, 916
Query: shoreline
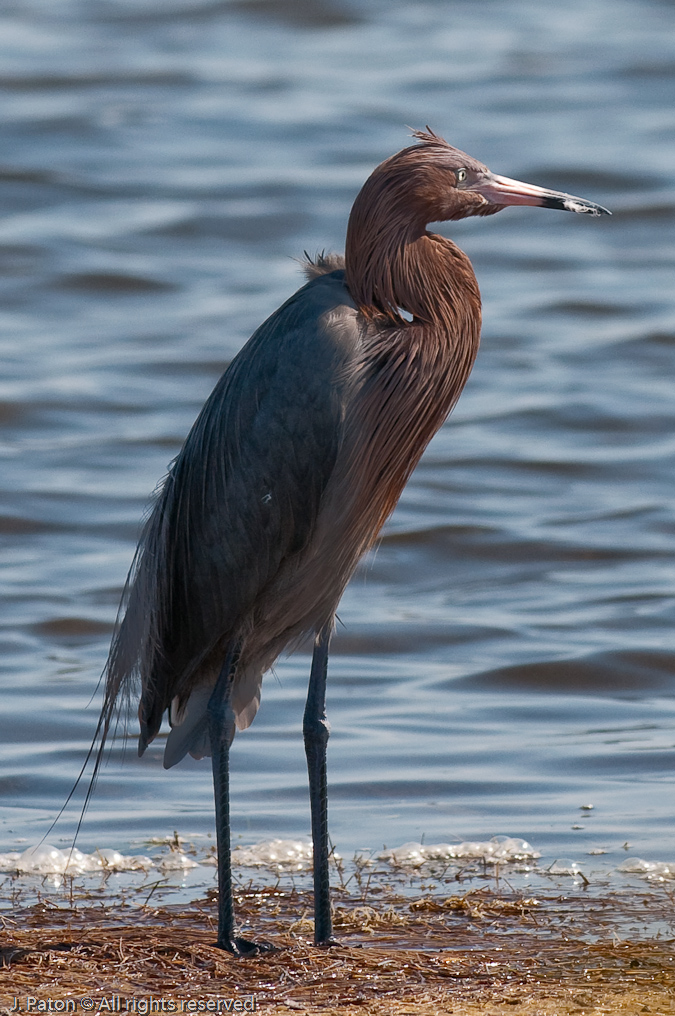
479, 951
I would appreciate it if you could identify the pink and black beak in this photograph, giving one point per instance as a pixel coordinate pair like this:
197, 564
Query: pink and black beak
501, 191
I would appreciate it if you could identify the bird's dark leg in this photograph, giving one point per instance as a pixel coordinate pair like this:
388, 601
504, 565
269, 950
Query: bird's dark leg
221, 720
316, 731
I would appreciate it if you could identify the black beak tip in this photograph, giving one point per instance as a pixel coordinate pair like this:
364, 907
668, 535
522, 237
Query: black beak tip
593, 210
567, 203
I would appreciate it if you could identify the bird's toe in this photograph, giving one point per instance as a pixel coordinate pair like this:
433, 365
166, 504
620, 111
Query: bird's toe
244, 948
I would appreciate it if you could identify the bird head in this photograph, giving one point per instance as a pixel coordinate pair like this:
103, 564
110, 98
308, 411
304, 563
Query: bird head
443, 183
389, 259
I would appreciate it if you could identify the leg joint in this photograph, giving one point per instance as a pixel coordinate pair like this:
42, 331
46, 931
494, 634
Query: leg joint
316, 730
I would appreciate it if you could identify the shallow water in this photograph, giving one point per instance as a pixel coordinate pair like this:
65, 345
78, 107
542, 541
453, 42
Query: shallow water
506, 656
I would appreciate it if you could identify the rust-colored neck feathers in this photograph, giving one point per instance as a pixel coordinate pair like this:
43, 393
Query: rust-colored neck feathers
412, 372
392, 262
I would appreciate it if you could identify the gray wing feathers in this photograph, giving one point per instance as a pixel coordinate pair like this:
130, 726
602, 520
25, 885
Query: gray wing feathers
242, 496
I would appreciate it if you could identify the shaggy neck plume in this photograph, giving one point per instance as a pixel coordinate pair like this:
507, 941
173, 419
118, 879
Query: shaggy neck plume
392, 261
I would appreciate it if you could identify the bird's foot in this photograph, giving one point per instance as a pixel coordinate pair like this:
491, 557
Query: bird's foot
244, 948
327, 943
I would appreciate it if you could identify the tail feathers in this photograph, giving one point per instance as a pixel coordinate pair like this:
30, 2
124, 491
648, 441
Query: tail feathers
189, 733
189, 728
246, 695
118, 678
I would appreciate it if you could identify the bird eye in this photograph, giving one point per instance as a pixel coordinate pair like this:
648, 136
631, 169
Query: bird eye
460, 175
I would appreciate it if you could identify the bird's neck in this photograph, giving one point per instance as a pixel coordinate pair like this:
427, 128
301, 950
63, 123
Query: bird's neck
410, 374
413, 270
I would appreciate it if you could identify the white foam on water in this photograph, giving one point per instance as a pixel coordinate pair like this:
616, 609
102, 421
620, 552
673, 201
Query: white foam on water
564, 866
44, 859
296, 855
498, 850
280, 855
652, 869
177, 861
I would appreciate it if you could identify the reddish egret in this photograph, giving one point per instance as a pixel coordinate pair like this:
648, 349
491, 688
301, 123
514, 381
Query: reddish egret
292, 467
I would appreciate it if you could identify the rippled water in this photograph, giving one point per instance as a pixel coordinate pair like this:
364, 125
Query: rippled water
507, 655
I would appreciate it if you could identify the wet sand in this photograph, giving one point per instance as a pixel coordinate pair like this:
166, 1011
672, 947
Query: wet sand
478, 952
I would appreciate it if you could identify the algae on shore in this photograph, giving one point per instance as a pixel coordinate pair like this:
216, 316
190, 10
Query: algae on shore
480, 952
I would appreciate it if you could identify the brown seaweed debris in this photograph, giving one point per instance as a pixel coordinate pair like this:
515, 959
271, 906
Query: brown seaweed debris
482, 952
